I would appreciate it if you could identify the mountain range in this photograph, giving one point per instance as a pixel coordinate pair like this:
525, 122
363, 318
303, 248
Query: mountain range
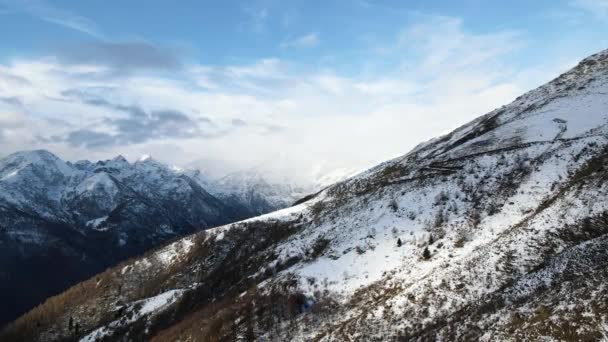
62, 222
495, 231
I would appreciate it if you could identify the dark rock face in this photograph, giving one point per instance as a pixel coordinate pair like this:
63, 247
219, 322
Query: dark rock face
61, 223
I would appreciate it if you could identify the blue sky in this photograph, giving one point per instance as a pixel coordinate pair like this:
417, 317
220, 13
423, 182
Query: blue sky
220, 32
335, 84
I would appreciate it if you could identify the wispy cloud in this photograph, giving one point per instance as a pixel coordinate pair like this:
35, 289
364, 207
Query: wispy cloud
45, 11
305, 41
444, 43
594, 7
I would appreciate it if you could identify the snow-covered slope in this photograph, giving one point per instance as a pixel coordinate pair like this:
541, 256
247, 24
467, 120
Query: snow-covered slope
88, 216
496, 231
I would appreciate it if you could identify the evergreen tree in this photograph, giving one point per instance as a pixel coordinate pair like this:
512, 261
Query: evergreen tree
399, 242
426, 255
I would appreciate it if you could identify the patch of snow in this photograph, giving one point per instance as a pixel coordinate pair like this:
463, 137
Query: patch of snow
175, 250
95, 223
9, 175
144, 157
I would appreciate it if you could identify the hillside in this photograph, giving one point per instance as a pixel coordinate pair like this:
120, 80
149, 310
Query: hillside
496, 231
63, 222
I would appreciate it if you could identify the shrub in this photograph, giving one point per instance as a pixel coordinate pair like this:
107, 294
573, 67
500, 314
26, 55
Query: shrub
442, 198
317, 208
319, 247
461, 238
393, 205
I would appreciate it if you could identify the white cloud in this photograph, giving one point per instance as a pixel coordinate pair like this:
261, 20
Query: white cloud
305, 41
319, 119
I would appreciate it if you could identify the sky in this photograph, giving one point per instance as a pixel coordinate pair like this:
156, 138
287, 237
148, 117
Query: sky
303, 87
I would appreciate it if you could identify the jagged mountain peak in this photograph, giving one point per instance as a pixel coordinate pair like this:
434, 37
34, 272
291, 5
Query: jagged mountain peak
43, 158
120, 159
146, 162
33, 155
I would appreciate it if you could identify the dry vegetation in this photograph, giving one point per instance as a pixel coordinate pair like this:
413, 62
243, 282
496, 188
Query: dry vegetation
228, 264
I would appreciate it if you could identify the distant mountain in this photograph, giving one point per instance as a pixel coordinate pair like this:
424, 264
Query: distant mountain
497, 231
261, 191
62, 222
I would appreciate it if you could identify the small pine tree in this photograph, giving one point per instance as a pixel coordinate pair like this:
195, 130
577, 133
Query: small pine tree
399, 242
426, 254
70, 324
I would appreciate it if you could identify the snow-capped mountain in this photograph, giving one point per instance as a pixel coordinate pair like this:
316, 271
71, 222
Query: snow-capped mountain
496, 231
87, 216
258, 191
271, 184
262, 191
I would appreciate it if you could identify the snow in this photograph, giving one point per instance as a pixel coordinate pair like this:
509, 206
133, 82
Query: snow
325, 179
172, 252
97, 181
125, 269
144, 157
147, 306
31, 175
95, 223
153, 304
286, 214
9, 175
353, 271
277, 190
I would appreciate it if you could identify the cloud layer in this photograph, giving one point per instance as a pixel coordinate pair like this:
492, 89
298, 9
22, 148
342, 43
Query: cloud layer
132, 97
